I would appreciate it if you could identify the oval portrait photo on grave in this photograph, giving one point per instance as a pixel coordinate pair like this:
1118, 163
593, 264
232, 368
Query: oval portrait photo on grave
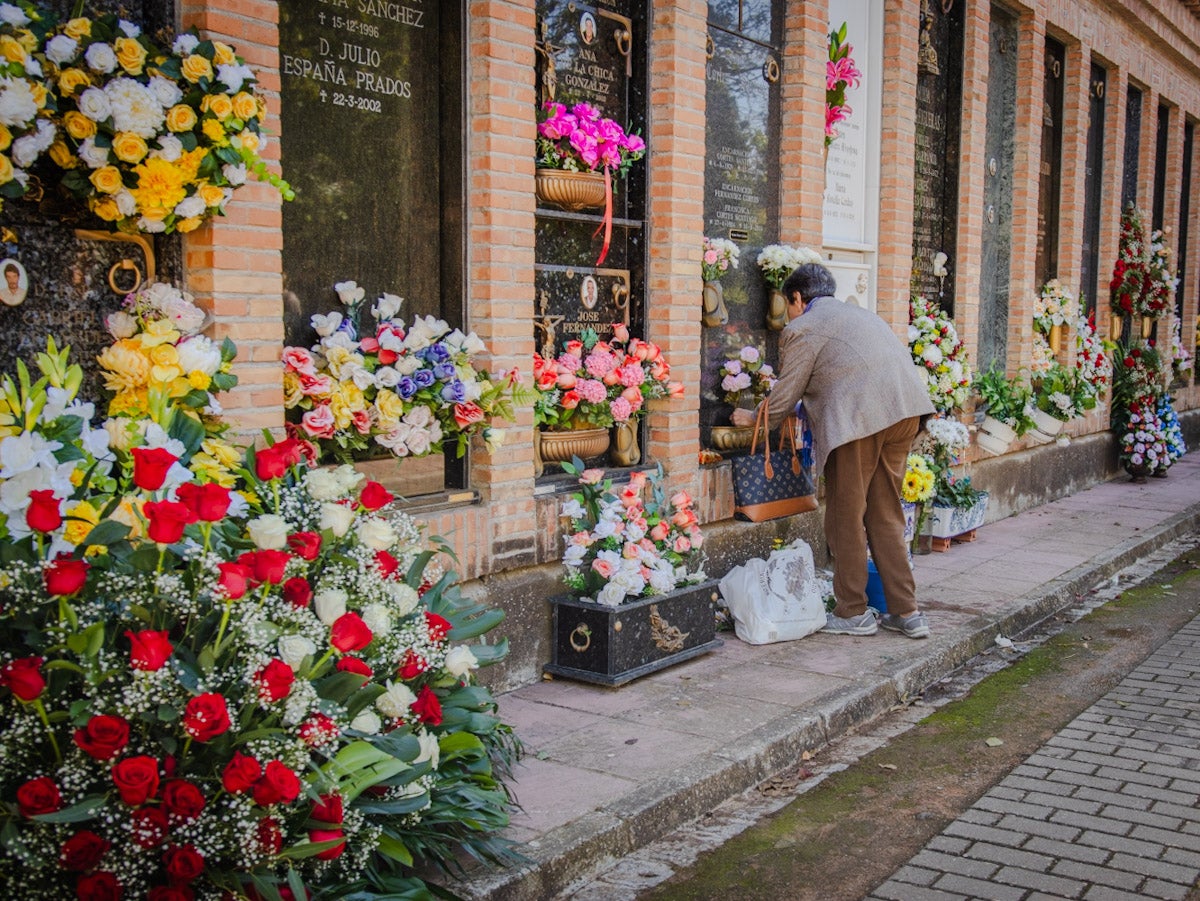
587, 28
14, 283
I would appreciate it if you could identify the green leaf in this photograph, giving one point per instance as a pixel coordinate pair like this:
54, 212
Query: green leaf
84, 810
339, 687
308, 849
395, 849
106, 533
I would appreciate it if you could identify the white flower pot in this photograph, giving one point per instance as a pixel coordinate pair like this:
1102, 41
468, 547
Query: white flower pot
994, 436
1045, 427
946, 522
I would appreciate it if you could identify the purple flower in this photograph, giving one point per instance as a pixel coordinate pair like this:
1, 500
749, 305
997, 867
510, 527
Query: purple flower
406, 388
424, 378
454, 392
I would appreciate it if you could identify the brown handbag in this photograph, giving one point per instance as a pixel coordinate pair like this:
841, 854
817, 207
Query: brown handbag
769, 484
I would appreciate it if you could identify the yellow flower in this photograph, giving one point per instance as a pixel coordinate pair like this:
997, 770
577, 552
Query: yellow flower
249, 140
339, 357
160, 331
40, 94
223, 55
245, 106
224, 453
6, 169
81, 518
78, 28
129, 147
390, 407
210, 470
106, 179
190, 224
62, 156
918, 348
160, 186
181, 117
5, 137
130, 54
212, 195
218, 104
106, 209
189, 163
11, 49
78, 125
292, 392
27, 39
72, 80
125, 366
353, 396
129, 512
196, 67
199, 379
214, 131
164, 376
342, 414
164, 354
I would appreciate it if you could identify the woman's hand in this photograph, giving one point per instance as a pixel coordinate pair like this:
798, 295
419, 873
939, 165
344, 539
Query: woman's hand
742, 418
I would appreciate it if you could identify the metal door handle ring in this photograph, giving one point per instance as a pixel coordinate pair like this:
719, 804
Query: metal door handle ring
125, 265
584, 639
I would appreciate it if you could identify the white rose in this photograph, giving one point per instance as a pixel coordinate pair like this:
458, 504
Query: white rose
377, 534
151, 226
325, 324
387, 306
165, 91
94, 104
100, 57
348, 478
395, 700
126, 202
129, 29
269, 532
430, 749
460, 661
349, 293
330, 604
294, 648
190, 206
185, 44
336, 518
404, 598
61, 49
368, 721
322, 484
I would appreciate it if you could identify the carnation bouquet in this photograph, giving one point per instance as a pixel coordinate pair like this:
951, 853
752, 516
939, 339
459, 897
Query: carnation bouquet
840, 73
1091, 356
27, 124
621, 546
595, 383
405, 388
581, 140
152, 139
1181, 358
1054, 305
746, 374
1160, 289
939, 353
778, 261
720, 255
216, 693
1131, 279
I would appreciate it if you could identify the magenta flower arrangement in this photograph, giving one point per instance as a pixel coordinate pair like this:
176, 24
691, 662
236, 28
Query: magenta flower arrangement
840, 73
581, 140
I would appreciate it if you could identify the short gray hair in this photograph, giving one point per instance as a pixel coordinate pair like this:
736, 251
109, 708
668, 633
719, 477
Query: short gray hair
811, 280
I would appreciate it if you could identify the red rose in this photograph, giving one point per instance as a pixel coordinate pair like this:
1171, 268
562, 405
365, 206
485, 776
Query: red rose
82, 851
327, 835
266, 565
305, 545
270, 836
373, 496
23, 677
167, 520
328, 810
205, 717
43, 513
427, 707
183, 799
234, 579
467, 414
412, 665
274, 681
99, 886
439, 627
183, 863
150, 467
278, 784
297, 592
171, 893
349, 633
272, 462
387, 563
103, 736
240, 774
208, 502
38, 796
148, 650
317, 730
136, 779
64, 576
354, 665
149, 826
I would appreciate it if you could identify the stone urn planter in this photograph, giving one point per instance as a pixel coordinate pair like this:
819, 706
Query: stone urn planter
560, 446
573, 191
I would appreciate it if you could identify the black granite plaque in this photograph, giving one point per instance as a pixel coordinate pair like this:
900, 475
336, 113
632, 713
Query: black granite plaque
1162, 139
1185, 212
1133, 146
1092, 188
741, 187
935, 176
1050, 173
571, 300
364, 136
994, 283
585, 56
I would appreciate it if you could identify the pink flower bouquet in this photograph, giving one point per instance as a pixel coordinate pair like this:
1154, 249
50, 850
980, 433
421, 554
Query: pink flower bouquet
581, 140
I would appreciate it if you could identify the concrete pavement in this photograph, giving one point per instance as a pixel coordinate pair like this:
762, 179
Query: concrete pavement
610, 770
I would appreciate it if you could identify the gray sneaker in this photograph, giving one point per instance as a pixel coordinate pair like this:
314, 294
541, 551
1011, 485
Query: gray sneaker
913, 625
863, 624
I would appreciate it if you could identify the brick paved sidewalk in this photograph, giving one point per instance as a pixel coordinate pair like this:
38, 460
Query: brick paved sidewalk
1106, 809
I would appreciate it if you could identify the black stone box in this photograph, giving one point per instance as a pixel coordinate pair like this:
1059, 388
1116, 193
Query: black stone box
615, 645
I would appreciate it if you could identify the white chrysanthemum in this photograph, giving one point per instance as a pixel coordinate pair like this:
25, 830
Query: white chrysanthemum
134, 107
61, 49
17, 103
100, 57
233, 76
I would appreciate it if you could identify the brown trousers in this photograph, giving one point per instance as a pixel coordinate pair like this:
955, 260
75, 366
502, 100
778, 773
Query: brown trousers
862, 504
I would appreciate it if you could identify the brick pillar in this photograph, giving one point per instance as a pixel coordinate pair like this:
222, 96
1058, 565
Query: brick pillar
1110, 197
1076, 99
802, 129
233, 264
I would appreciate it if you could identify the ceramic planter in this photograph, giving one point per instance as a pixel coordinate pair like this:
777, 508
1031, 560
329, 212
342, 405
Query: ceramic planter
994, 436
946, 522
1045, 427
614, 645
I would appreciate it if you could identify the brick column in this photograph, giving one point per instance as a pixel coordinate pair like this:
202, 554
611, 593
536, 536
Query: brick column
233, 264
1076, 99
1115, 96
802, 129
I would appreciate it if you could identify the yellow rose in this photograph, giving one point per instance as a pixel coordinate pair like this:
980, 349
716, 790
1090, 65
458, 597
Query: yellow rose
390, 407
62, 156
218, 104
106, 209
6, 169
353, 396
78, 28
11, 50
81, 518
129, 147
106, 180
130, 54
249, 140
129, 512
27, 39
211, 194
72, 80
40, 94
342, 417
181, 117
190, 224
199, 379
215, 132
196, 67
125, 366
245, 106
224, 55
5, 137
78, 125
292, 392
164, 355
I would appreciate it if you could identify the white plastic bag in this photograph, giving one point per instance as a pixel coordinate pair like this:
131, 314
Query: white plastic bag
777, 599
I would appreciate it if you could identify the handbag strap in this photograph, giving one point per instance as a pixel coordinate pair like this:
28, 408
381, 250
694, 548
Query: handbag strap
761, 423
787, 435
